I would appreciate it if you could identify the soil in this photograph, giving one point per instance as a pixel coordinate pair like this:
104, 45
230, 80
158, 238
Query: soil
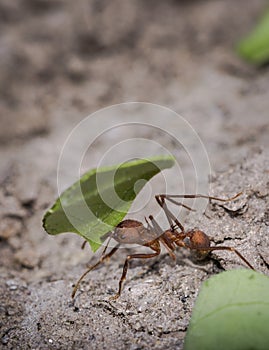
60, 61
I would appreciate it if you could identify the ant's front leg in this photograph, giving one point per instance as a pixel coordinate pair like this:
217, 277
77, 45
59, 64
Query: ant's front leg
232, 249
170, 198
161, 200
169, 215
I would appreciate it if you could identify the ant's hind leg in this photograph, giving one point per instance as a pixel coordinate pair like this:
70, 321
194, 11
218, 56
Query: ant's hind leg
126, 265
102, 259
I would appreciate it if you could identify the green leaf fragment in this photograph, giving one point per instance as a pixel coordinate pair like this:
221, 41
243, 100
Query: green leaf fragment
101, 198
255, 47
231, 312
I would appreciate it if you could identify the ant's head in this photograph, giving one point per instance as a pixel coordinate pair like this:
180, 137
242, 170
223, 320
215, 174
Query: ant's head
198, 241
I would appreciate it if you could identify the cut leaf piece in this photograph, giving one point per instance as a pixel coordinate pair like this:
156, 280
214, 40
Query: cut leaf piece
101, 198
231, 312
255, 47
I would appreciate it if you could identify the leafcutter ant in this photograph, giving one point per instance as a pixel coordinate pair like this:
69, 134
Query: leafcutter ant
152, 236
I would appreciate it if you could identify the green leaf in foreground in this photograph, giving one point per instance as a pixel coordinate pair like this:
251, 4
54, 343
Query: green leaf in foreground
231, 312
101, 198
255, 48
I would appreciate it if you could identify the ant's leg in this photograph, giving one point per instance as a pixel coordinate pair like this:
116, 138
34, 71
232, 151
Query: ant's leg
125, 268
149, 227
170, 196
179, 203
156, 226
167, 243
110, 235
231, 249
104, 237
162, 197
176, 202
84, 244
170, 217
103, 258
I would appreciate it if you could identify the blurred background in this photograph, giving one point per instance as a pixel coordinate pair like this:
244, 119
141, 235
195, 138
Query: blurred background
61, 60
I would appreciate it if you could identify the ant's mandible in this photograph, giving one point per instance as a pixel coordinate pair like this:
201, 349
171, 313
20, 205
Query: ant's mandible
152, 236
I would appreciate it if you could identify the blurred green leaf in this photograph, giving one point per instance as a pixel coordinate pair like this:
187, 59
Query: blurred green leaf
255, 47
231, 312
101, 198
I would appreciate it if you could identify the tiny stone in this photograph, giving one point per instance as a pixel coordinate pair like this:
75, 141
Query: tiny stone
11, 312
13, 287
5, 339
26, 258
9, 227
12, 284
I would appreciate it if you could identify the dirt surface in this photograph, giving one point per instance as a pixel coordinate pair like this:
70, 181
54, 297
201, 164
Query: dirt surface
63, 60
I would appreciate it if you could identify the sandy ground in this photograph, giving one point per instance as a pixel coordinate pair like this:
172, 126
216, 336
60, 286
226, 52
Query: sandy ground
61, 61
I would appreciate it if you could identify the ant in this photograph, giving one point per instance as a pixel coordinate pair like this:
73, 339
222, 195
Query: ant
134, 232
